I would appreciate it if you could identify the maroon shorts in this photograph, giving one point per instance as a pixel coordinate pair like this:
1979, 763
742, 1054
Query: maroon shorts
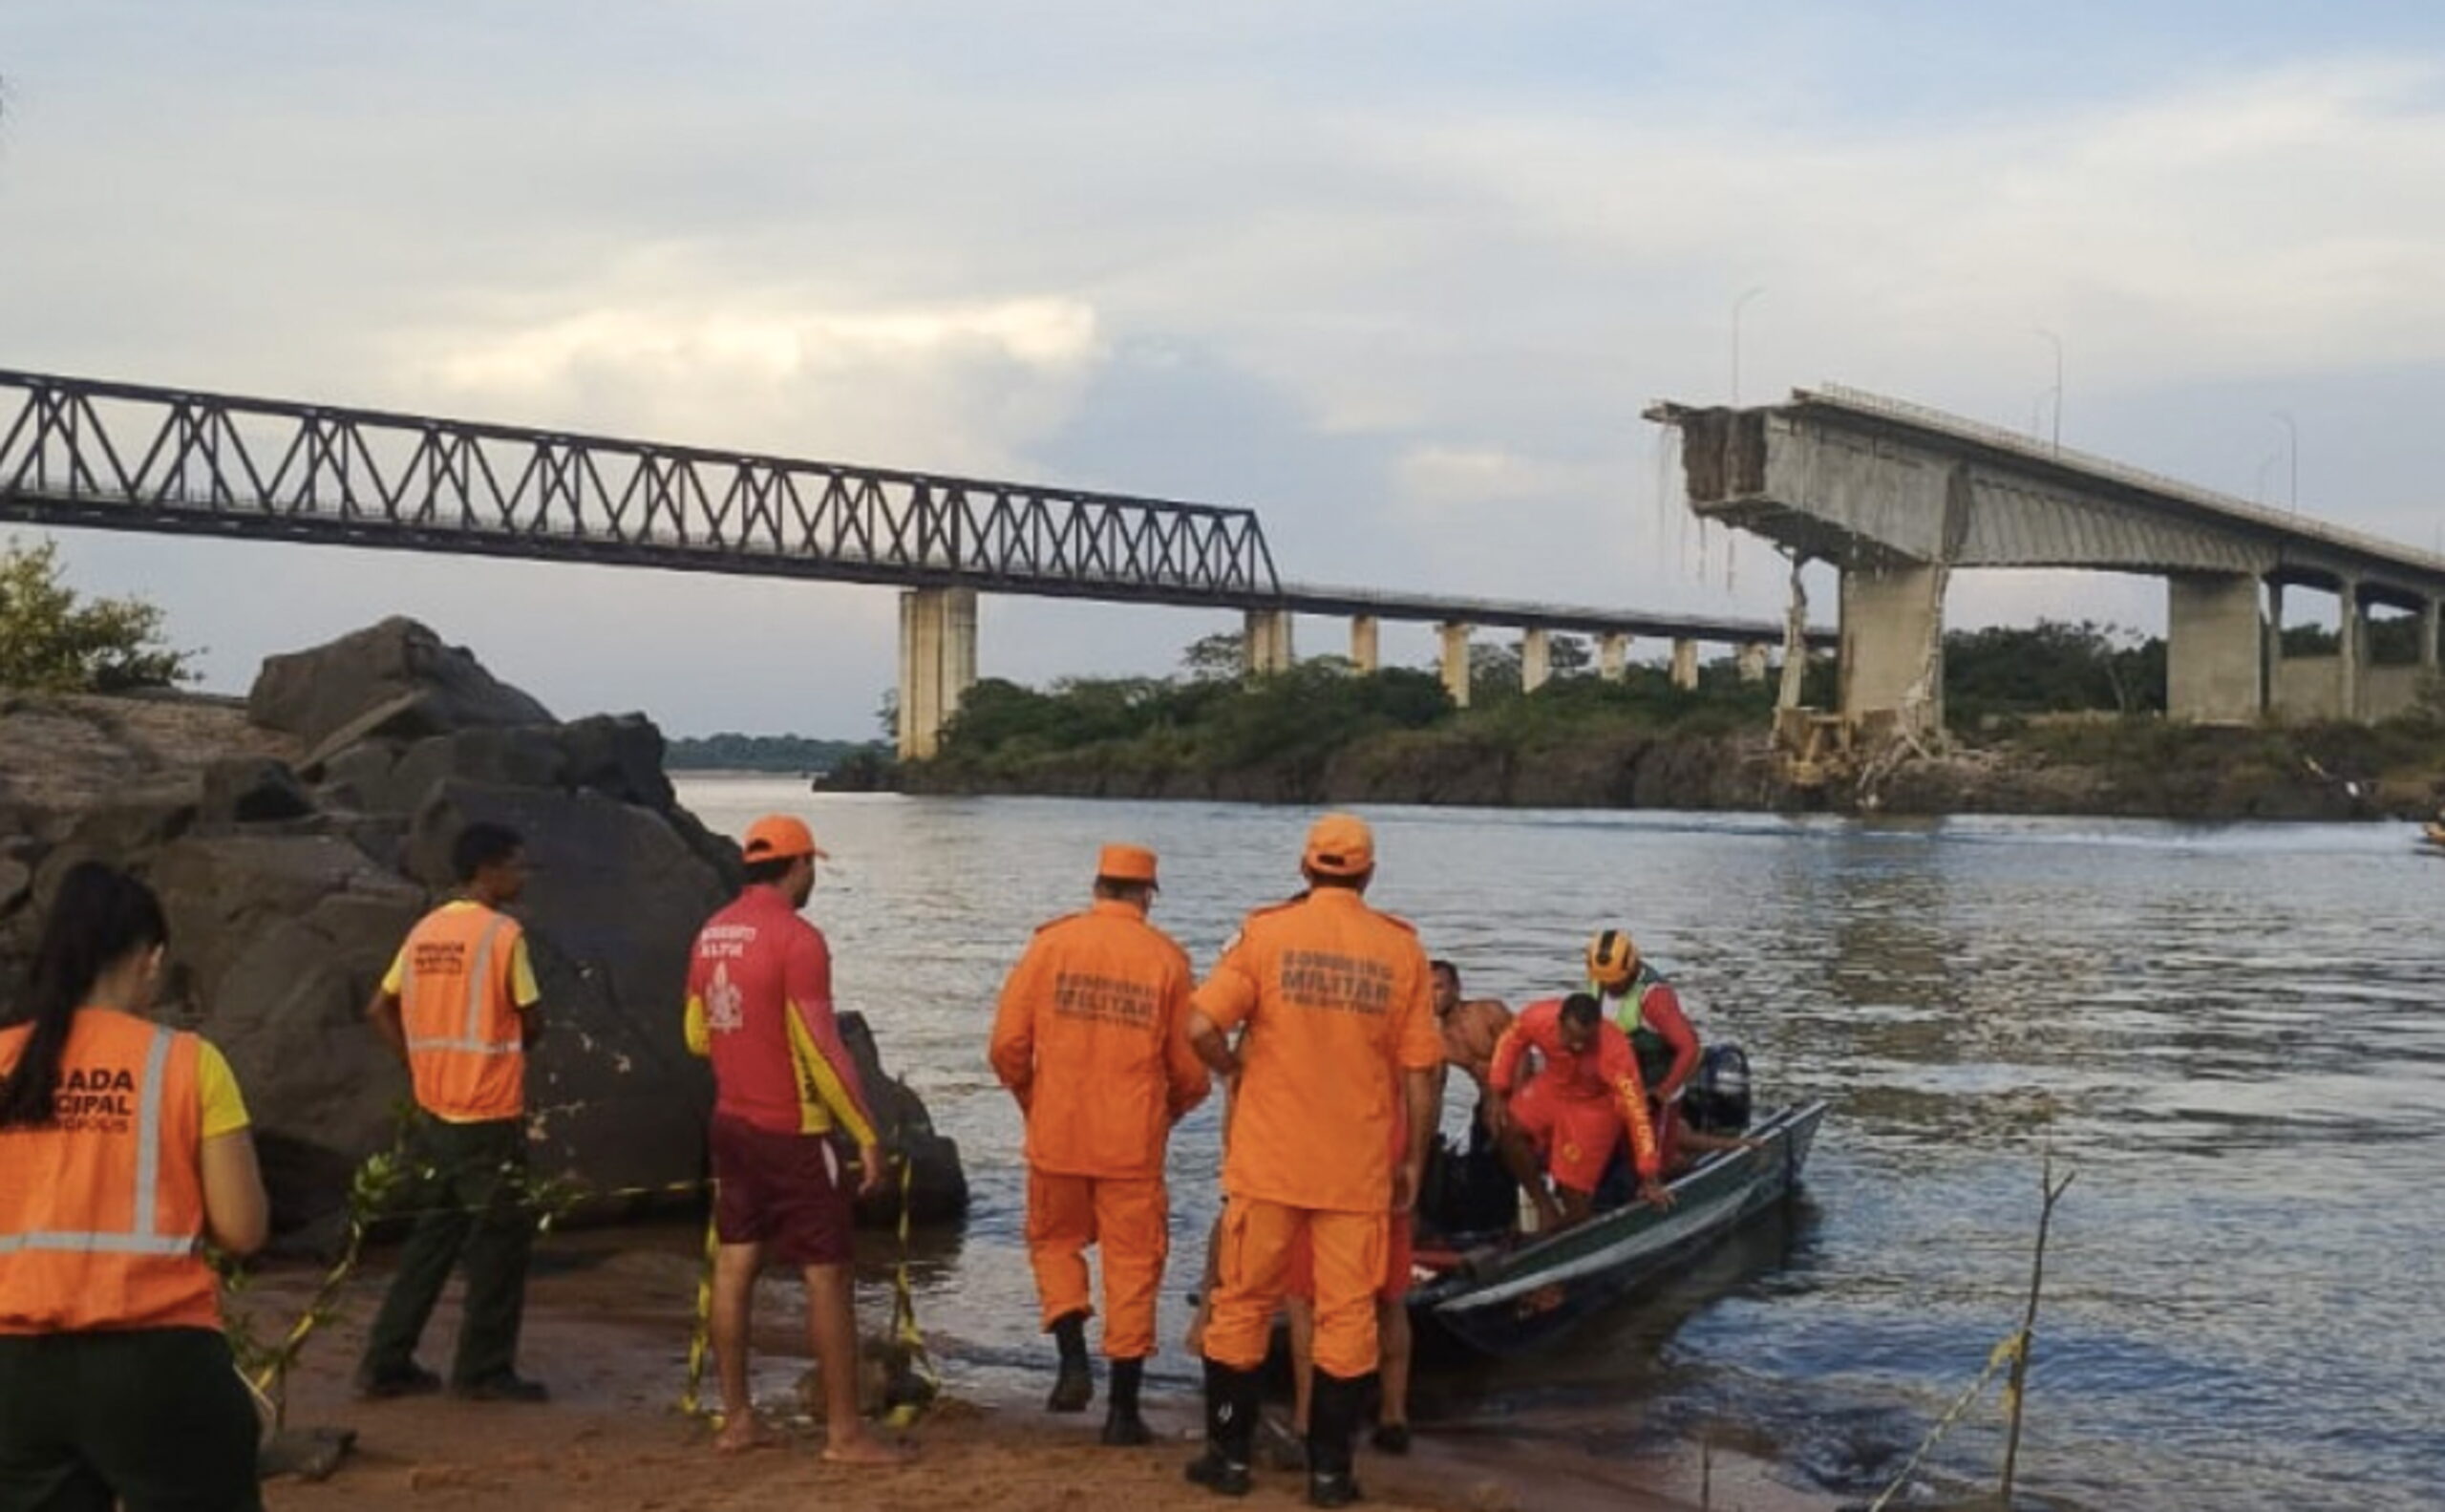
785, 1191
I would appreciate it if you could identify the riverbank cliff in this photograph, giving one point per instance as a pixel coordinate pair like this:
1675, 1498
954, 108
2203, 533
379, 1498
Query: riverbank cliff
1720, 756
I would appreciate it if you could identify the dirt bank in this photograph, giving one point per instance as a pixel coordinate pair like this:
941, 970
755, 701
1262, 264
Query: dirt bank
608, 1328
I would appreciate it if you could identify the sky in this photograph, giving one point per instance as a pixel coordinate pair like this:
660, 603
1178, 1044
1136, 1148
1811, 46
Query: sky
1399, 276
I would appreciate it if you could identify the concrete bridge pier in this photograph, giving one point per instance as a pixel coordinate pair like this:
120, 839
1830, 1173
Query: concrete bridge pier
1536, 659
937, 664
2430, 619
1893, 645
2351, 629
2271, 667
1455, 662
2214, 643
1366, 646
1265, 644
1752, 662
1613, 657
1685, 664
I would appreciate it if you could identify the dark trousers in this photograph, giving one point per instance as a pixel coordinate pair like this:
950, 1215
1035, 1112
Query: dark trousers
150, 1419
469, 1208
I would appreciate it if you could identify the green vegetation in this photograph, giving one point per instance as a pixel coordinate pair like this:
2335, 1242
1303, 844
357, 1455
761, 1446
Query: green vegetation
731, 752
2053, 668
1209, 729
1208, 720
2056, 717
53, 641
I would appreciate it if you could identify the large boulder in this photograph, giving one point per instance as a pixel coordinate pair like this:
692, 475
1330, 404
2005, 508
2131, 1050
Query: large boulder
251, 790
293, 853
615, 902
399, 675
937, 1188
279, 941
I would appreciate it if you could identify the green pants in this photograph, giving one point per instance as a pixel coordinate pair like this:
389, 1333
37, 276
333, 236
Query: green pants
469, 1208
150, 1419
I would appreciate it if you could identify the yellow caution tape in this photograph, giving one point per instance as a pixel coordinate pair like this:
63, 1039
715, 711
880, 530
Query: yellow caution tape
2007, 1350
903, 1314
700, 1335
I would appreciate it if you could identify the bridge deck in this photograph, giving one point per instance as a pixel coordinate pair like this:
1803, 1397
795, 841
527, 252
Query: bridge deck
1845, 476
93, 455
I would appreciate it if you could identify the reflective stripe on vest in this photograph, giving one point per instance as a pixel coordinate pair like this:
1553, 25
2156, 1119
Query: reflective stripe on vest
140, 1238
479, 972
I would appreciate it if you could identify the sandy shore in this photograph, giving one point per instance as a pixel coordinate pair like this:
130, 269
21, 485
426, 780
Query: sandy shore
609, 1336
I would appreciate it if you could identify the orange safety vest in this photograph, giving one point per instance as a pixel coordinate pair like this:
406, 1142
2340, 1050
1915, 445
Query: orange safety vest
100, 1210
466, 1043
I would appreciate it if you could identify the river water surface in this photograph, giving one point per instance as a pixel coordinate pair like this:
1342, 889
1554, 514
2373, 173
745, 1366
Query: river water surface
2234, 1035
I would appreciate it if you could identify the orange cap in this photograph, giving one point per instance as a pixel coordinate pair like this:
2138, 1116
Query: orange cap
1126, 864
778, 837
1340, 846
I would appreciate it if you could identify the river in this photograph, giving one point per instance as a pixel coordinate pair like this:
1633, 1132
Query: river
2232, 1034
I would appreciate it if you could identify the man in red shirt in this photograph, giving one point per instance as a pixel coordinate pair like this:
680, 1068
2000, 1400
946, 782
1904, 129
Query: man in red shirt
1643, 1006
1572, 1112
759, 1005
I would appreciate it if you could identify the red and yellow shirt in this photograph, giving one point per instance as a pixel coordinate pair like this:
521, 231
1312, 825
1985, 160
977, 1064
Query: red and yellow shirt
759, 1005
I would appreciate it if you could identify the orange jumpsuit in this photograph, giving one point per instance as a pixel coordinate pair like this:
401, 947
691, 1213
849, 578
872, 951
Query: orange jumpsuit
1578, 1106
1337, 1004
1091, 1038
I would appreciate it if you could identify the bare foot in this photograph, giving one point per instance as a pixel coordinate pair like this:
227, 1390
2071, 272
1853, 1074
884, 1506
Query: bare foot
865, 1449
742, 1433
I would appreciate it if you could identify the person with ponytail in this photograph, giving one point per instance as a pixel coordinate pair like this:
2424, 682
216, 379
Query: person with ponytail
125, 1147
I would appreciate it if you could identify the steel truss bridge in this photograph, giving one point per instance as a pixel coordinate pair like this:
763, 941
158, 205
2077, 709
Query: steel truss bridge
90, 453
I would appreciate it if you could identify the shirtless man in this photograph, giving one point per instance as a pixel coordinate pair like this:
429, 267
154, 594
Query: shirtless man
1471, 1031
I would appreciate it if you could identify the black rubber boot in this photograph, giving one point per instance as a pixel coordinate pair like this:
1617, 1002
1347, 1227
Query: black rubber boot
1232, 1402
1332, 1424
1074, 1387
1123, 1428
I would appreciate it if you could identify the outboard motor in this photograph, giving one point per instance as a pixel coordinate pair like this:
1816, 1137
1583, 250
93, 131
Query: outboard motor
1716, 1101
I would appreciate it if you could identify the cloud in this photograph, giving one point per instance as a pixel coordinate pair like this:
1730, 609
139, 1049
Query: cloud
1401, 277
942, 387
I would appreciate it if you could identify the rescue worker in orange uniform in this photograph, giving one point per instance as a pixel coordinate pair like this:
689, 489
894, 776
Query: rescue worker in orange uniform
1340, 1045
1091, 1038
460, 1005
1393, 1343
760, 1007
1643, 1006
124, 1146
1572, 1112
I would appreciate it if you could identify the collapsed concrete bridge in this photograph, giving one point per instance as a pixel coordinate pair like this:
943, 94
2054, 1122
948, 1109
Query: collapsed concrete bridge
1899, 498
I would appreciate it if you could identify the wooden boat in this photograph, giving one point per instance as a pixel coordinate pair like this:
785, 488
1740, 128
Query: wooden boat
1500, 1298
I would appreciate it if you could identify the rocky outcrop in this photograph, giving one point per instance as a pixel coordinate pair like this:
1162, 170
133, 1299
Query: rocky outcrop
294, 840
395, 680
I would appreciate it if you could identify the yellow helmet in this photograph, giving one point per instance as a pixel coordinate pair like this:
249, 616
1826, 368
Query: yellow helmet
1612, 958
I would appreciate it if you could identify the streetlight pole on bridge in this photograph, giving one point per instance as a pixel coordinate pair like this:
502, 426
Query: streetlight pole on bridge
2058, 384
2292, 450
1737, 305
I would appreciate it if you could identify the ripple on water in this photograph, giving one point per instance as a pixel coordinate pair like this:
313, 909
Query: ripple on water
2234, 1033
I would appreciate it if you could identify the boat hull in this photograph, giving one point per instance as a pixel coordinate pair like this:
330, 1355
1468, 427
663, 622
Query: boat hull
1520, 1300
